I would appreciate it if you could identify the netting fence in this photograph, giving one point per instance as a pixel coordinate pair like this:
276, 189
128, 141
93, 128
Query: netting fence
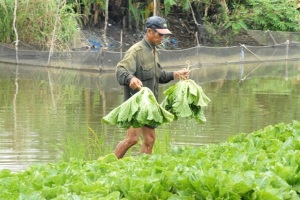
273, 46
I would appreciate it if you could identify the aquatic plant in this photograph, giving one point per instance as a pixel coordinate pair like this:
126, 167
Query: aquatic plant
260, 165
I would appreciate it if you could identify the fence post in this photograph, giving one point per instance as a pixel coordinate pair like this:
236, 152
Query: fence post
242, 56
287, 49
286, 60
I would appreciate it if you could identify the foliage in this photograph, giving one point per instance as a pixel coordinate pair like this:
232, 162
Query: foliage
6, 20
137, 14
140, 109
185, 4
218, 17
87, 148
278, 15
237, 19
260, 165
186, 99
50, 22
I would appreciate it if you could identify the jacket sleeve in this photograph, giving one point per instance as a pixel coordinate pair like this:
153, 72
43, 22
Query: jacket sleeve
166, 77
126, 68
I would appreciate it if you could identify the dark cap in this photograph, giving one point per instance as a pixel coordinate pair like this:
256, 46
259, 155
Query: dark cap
159, 24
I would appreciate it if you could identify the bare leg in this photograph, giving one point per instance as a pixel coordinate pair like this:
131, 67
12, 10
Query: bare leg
132, 137
149, 140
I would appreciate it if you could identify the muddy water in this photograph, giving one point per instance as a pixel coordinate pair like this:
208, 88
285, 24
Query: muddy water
42, 110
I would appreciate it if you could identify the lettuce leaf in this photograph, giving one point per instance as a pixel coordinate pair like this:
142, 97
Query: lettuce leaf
186, 99
139, 110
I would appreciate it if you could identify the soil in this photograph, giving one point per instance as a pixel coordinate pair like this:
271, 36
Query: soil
184, 36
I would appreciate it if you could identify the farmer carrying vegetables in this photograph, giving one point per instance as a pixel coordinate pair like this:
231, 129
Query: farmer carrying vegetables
140, 67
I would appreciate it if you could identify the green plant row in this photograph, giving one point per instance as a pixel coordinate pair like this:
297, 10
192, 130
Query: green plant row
261, 165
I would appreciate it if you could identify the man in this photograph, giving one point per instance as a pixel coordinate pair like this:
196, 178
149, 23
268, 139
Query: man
140, 67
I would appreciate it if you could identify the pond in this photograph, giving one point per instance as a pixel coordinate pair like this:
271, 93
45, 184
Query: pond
44, 111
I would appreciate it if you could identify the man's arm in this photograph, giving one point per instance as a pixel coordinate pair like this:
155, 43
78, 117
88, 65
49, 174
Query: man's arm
126, 69
168, 76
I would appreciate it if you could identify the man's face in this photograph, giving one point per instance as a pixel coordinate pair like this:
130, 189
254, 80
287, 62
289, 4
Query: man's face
154, 37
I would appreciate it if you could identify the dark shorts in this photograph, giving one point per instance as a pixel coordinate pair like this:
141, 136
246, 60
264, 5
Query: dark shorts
152, 127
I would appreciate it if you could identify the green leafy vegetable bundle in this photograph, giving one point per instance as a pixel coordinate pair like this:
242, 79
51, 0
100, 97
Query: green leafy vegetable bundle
139, 110
186, 99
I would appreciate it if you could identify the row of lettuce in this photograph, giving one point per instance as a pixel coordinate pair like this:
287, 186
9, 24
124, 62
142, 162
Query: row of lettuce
260, 165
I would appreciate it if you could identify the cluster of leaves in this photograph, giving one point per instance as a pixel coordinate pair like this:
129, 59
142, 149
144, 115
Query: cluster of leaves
51, 22
183, 99
45, 16
6, 21
186, 99
260, 165
140, 109
279, 15
236, 15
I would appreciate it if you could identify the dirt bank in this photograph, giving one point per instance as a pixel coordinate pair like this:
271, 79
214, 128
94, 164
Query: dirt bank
184, 36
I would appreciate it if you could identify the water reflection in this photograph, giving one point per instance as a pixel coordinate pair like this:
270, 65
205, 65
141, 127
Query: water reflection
40, 108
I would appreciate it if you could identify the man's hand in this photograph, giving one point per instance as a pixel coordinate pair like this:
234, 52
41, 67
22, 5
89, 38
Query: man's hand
182, 74
135, 83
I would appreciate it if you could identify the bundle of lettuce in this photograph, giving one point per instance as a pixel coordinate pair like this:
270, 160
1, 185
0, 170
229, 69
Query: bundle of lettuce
186, 99
139, 110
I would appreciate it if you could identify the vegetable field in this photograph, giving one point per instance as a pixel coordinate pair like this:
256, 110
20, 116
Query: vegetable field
260, 165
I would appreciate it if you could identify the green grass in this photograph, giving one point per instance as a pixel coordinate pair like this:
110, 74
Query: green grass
90, 147
93, 145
